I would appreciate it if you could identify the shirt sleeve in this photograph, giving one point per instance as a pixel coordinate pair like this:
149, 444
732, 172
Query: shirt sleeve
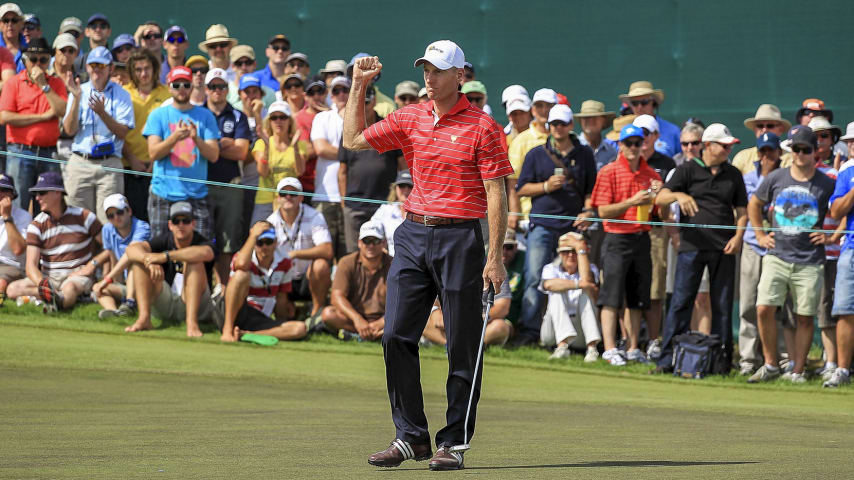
528, 174
319, 231
491, 155
589, 167
34, 236
343, 273
211, 129
58, 86
7, 60
344, 155
105, 240
318, 127
763, 191
387, 134
259, 147
678, 182
603, 190
241, 130
550, 272
843, 182
160, 243
740, 199
9, 95
154, 123
124, 108
142, 232
516, 155
95, 226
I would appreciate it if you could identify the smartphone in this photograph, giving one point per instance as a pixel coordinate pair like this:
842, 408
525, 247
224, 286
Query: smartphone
558, 171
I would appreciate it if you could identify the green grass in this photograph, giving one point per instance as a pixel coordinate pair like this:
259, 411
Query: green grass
81, 399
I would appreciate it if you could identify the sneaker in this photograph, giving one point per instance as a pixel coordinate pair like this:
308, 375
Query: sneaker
636, 356
106, 313
313, 323
838, 379
348, 335
614, 357
653, 351
592, 355
3, 298
764, 374
52, 299
562, 351
125, 310
827, 373
746, 370
794, 377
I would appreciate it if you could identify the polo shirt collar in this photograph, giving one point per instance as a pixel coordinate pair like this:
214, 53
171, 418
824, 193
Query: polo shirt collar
462, 104
622, 160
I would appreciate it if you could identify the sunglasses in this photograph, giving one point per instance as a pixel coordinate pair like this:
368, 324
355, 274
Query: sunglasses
74, 33
278, 118
766, 125
632, 143
181, 221
291, 86
766, 150
411, 98
180, 85
645, 101
558, 123
241, 63
151, 36
40, 193
810, 111
340, 90
39, 60
725, 146
802, 149
97, 66
117, 213
123, 48
217, 86
475, 99
371, 241
178, 39
280, 48
216, 46
693, 143
315, 92
98, 26
202, 70
68, 50
11, 20
823, 135
287, 193
264, 242
30, 27
298, 63
509, 248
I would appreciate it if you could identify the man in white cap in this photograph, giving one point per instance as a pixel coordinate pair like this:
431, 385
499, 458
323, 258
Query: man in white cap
766, 119
359, 290
439, 247
12, 38
708, 190
519, 116
218, 45
644, 99
509, 93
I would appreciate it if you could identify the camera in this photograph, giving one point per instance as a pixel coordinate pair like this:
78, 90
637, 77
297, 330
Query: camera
103, 149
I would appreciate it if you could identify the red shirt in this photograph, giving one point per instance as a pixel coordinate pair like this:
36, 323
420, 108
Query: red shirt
7, 60
20, 95
617, 182
449, 159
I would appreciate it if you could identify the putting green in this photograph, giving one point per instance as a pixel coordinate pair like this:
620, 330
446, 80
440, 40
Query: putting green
79, 404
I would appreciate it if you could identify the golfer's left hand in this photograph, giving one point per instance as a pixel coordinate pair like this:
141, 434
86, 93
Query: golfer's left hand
494, 272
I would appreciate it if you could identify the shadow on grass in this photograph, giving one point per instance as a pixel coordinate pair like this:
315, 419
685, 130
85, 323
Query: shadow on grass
602, 464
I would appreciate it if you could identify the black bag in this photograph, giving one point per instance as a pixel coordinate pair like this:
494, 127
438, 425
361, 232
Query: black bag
696, 355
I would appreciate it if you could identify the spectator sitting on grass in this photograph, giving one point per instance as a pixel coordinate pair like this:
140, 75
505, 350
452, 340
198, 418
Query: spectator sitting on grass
358, 294
571, 286
122, 230
12, 233
259, 285
171, 274
390, 215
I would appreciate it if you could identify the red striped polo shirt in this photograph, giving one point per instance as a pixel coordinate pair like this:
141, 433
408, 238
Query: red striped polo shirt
265, 284
66, 242
449, 158
617, 182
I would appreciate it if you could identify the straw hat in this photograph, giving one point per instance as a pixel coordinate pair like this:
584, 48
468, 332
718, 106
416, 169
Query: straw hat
619, 123
216, 33
642, 87
767, 112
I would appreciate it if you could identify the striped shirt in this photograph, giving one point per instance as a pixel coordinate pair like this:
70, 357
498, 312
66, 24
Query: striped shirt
265, 284
65, 243
617, 182
449, 157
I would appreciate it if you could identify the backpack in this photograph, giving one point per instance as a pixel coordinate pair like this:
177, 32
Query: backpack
696, 355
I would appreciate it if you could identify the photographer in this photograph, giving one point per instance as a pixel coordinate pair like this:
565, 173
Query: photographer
99, 115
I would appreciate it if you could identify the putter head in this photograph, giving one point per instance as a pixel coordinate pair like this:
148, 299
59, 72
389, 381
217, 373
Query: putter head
460, 448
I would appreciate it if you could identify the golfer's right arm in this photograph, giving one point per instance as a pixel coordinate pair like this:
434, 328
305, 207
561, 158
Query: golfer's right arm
354, 118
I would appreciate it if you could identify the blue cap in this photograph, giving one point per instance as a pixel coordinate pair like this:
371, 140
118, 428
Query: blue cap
97, 16
32, 19
356, 57
176, 29
100, 55
768, 139
7, 183
249, 80
269, 233
630, 131
122, 40
49, 182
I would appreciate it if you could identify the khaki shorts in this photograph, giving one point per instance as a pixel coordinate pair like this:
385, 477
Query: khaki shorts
10, 273
169, 306
658, 240
802, 282
59, 280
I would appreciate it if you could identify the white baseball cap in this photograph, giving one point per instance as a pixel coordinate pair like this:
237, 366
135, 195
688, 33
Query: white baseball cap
521, 103
545, 95
646, 121
717, 132
443, 54
65, 40
371, 229
561, 113
289, 182
216, 73
11, 7
512, 92
849, 132
117, 201
340, 80
279, 106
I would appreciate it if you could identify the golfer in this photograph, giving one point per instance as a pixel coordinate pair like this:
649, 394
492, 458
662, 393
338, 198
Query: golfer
458, 165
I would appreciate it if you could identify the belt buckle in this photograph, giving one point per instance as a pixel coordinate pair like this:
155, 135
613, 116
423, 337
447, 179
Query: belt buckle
425, 220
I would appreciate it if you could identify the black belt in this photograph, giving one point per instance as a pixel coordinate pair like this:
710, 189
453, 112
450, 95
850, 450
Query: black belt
429, 221
92, 157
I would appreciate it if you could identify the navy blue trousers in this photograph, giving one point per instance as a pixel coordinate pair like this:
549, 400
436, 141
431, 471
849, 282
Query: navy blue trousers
446, 261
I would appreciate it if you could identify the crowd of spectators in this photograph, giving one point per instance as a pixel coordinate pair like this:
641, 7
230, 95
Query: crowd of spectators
211, 188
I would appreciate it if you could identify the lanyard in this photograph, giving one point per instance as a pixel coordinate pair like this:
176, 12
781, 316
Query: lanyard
292, 241
92, 112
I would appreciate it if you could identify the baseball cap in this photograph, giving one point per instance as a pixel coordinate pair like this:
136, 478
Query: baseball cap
117, 201
249, 80
123, 39
179, 73
71, 23
406, 87
646, 121
32, 19
768, 139
804, 136
521, 103
560, 113
11, 7
297, 56
513, 91
334, 66
315, 83
344, 81
240, 51
176, 29
49, 182
443, 54
719, 133
422, 92
288, 182
215, 73
40, 45
7, 183
96, 17
269, 233
280, 106
510, 237
180, 208
371, 228
293, 76
403, 178
813, 104
278, 36
195, 59
474, 86
545, 95
849, 133
100, 55
65, 40
630, 131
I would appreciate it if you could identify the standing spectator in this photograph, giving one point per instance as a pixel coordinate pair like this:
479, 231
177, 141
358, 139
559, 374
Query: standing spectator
146, 94
218, 45
794, 263
277, 51
199, 67
624, 190
326, 133
827, 136
99, 115
365, 174
13, 234
59, 263
811, 108
65, 52
333, 68
691, 141
176, 46
253, 106
259, 285
72, 26
406, 93
544, 99
149, 36
223, 201
570, 284
510, 93
171, 273
766, 119
315, 102
32, 27
707, 190
475, 91
297, 63
559, 177
594, 120
390, 215
643, 99
281, 155
243, 62
182, 140
12, 38
123, 45
31, 103
519, 115
293, 91
98, 32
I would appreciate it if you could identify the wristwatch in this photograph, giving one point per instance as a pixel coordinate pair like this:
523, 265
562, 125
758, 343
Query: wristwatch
46, 88
7, 219
581, 252
166, 253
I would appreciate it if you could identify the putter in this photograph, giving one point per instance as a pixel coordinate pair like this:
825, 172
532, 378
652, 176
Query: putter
490, 297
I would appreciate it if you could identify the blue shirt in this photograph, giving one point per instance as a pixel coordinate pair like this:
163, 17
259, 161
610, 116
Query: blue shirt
605, 154
268, 79
19, 57
93, 130
752, 180
668, 140
184, 160
844, 183
232, 124
114, 242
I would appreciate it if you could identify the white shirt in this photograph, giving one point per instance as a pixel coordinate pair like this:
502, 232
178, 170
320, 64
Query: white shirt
309, 230
390, 216
21, 218
328, 126
554, 270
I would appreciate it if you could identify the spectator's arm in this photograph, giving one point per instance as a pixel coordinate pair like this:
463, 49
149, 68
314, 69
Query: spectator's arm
6, 75
559, 285
137, 251
513, 202
71, 122
118, 267
159, 148
33, 255
754, 213
324, 251
339, 300
194, 254
842, 205
243, 258
500, 308
325, 149
23, 119
342, 181
234, 149
119, 130
261, 159
740, 222
208, 148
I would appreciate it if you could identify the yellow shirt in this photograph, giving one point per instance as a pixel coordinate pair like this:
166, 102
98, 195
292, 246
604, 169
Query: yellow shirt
282, 164
385, 105
746, 159
519, 147
136, 143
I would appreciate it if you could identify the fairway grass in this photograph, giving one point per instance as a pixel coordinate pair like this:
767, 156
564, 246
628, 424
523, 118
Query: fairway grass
80, 399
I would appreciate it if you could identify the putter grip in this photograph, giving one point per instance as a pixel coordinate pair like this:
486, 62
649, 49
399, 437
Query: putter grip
489, 294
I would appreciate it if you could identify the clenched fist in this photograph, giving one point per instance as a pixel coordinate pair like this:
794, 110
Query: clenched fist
366, 68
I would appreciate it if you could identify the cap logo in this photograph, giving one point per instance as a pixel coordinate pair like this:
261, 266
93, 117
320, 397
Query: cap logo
435, 48
40, 179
